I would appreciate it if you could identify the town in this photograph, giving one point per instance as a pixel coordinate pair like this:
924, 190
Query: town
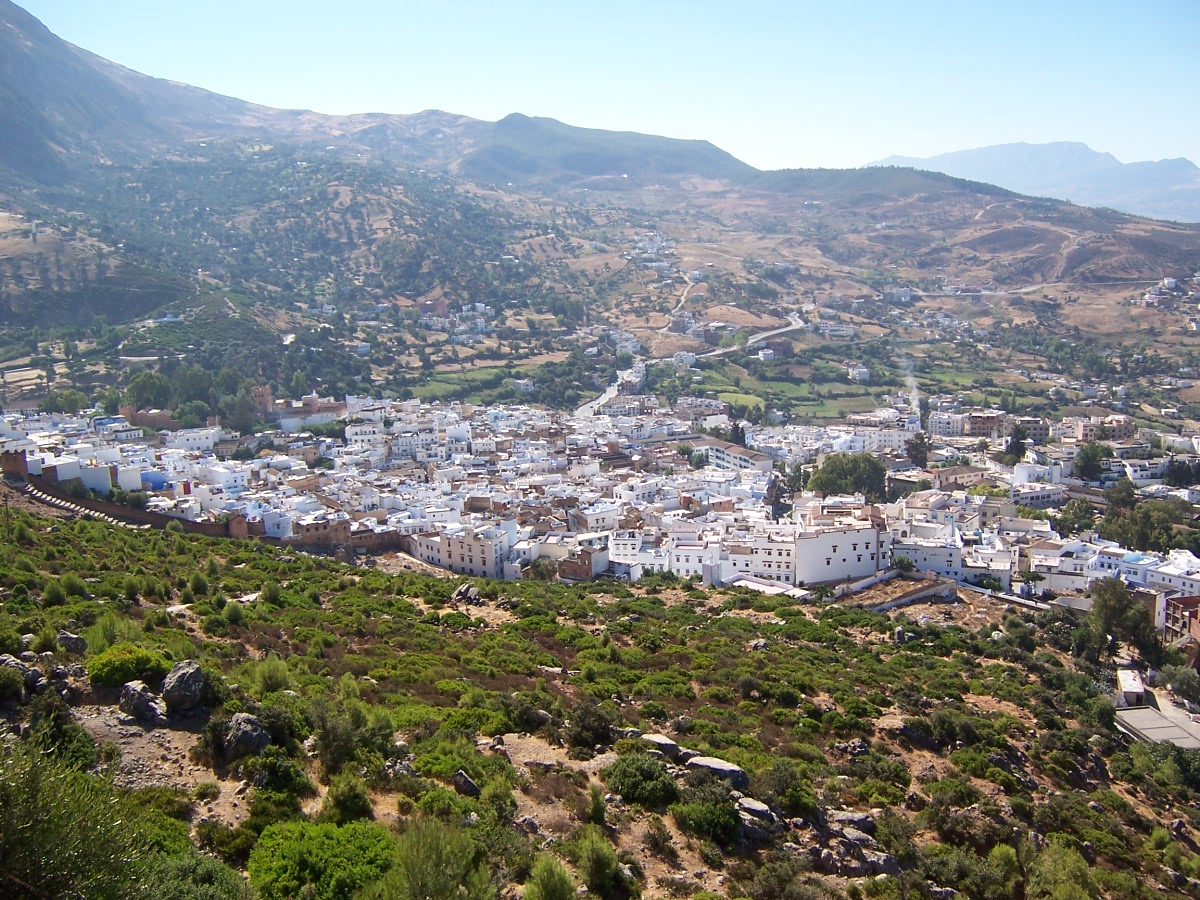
627, 487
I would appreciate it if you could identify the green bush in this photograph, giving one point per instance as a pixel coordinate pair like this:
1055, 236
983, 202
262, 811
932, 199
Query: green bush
192, 876
715, 821
12, 685
73, 585
640, 778
596, 861
127, 662
434, 861
320, 861
53, 594
549, 880
346, 801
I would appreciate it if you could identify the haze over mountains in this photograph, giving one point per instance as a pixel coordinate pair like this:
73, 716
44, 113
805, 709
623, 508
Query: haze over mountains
1068, 170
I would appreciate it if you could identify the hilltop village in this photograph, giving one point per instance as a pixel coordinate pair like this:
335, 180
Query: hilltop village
626, 487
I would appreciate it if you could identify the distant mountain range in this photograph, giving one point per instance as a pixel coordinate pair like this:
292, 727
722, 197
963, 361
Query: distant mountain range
1067, 170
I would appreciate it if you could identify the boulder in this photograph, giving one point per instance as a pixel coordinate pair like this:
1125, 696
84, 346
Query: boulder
848, 819
878, 863
859, 838
755, 808
661, 742
72, 643
464, 784
244, 736
735, 775
183, 686
139, 701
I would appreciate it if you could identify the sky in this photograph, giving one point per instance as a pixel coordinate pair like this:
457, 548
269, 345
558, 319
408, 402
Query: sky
829, 83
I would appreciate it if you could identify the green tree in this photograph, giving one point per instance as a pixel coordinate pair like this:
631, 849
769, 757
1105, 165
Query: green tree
148, 390
917, 448
849, 473
1089, 458
1122, 495
1116, 618
1075, 516
1014, 449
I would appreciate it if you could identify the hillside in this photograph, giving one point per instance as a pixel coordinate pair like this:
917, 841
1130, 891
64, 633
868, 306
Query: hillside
331, 703
1167, 189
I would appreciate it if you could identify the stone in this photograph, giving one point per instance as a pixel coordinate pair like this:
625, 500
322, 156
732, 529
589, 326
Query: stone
72, 643
183, 686
755, 808
245, 736
465, 785
686, 754
848, 819
859, 838
664, 744
27, 641
526, 824
735, 775
139, 702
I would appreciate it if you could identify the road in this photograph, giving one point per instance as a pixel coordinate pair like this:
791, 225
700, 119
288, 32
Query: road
757, 338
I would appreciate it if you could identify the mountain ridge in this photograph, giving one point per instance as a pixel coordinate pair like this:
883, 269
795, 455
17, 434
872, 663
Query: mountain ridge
1071, 170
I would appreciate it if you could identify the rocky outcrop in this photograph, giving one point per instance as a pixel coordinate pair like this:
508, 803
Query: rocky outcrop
183, 686
72, 643
244, 736
735, 775
139, 702
663, 744
465, 785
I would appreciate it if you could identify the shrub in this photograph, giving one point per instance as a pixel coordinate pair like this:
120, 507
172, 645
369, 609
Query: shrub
640, 778
711, 819
192, 876
206, 790
346, 801
320, 861
199, 585
54, 731
549, 880
596, 861
434, 861
53, 594
785, 786
126, 662
73, 585
591, 725
45, 641
12, 685
271, 674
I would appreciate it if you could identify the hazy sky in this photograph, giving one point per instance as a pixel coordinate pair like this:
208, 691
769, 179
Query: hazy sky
778, 84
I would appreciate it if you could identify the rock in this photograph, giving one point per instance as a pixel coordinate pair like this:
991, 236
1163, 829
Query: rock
856, 747
914, 801
661, 742
735, 775
753, 832
72, 643
1177, 879
880, 863
464, 785
858, 838
755, 808
686, 754
629, 734
527, 824
245, 736
757, 644
183, 686
848, 819
139, 701
27, 641
942, 893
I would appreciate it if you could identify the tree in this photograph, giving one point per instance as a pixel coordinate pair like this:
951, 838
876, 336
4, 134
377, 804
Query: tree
917, 449
903, 564
1088, 461
549, 880
1121, 496
848, 473
1014, 450
1116, 618
148, 390
1076, 515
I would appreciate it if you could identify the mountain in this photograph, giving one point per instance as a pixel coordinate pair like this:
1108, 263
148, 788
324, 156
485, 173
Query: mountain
63, 109
1066, 170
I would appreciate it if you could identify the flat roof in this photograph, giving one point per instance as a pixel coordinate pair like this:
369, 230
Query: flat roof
1149, 724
